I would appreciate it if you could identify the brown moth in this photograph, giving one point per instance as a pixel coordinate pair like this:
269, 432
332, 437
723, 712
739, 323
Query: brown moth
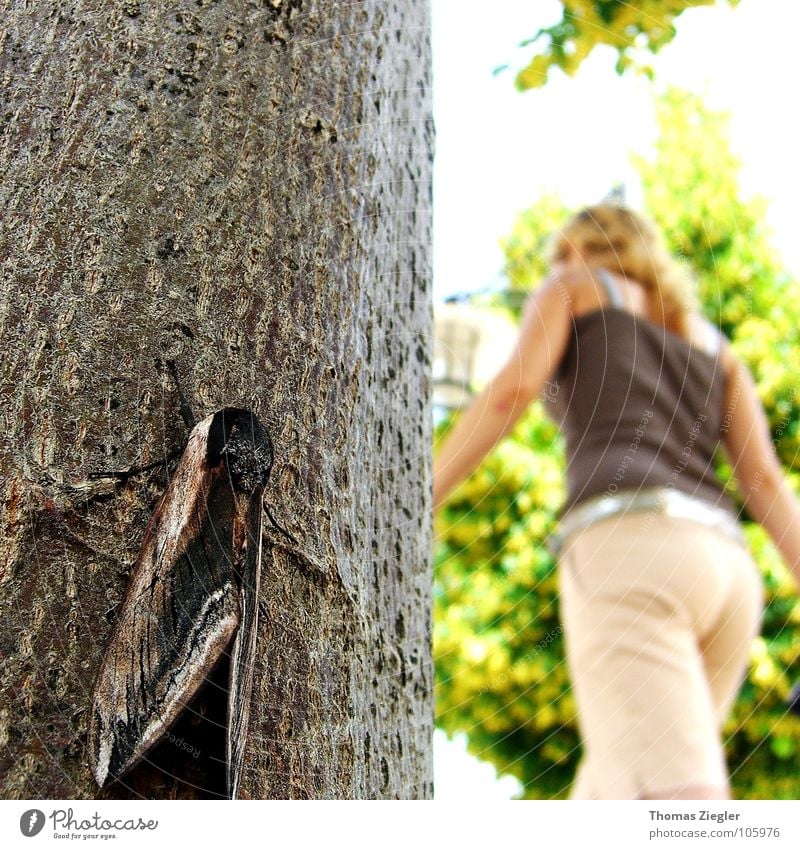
193, 591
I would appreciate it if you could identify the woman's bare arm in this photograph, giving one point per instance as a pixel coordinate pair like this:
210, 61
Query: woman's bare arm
493, 412
766, 492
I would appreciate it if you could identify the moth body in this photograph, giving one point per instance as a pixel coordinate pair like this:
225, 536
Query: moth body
193, 594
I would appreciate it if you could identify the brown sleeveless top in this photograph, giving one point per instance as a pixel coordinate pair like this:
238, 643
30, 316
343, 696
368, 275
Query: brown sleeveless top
638, 405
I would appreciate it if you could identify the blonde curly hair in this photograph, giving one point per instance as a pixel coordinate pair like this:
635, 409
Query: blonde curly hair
614, 237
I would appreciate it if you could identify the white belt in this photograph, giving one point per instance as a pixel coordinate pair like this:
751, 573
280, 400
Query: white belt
666, 500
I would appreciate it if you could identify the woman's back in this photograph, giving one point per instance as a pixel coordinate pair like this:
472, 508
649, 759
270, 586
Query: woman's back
640, 405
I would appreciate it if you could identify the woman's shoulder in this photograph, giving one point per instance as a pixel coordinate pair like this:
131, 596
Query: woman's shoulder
707, 336
587, 289
578, 288
703, 334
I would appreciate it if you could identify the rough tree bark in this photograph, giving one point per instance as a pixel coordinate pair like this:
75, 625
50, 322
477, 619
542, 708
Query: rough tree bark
244, 188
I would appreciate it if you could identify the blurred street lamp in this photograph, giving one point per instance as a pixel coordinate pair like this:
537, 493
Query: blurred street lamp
471, 343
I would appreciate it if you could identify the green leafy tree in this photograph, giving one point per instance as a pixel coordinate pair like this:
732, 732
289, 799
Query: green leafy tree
501, 674
632, 29
692, 188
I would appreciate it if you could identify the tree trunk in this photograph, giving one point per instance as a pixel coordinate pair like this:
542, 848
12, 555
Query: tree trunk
242, 188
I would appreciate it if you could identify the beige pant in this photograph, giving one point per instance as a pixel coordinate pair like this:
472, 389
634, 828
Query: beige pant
659, 614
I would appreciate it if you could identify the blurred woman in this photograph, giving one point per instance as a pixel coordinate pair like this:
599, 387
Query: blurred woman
660, 598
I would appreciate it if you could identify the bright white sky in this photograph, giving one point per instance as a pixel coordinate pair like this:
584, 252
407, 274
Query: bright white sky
497, 149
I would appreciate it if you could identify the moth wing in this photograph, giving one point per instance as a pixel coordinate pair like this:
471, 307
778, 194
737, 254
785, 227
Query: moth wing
178, 615
244, 649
